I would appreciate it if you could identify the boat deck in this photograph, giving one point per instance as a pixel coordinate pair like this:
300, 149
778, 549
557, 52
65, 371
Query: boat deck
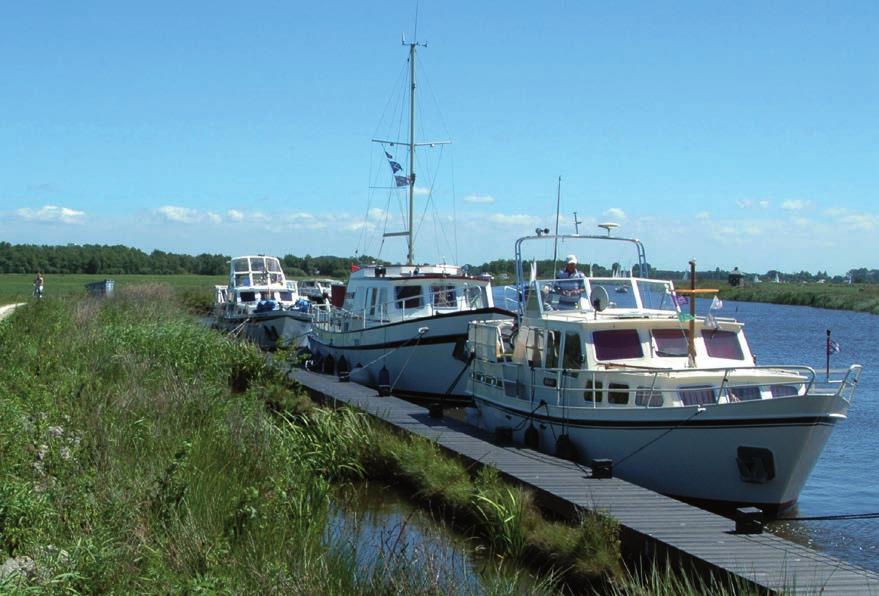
651, 524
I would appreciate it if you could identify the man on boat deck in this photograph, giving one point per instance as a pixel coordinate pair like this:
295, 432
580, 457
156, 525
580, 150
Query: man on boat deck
571, 285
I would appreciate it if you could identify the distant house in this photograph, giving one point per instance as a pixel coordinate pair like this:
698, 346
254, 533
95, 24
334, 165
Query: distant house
735, 278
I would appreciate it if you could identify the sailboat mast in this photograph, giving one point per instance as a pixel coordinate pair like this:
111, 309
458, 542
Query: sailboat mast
410, 257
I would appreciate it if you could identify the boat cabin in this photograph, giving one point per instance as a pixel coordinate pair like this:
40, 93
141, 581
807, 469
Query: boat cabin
256, 282
608, 348
383, 294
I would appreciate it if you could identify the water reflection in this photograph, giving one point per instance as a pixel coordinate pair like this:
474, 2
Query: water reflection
386, 537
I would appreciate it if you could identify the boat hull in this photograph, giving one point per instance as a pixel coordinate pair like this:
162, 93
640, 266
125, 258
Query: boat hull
425, 357
750, 453
270, 330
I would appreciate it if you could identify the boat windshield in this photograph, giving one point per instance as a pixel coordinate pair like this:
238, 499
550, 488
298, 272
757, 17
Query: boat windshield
622, 293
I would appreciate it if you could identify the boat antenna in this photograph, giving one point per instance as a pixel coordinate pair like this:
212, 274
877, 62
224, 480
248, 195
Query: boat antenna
555, 250
577, 223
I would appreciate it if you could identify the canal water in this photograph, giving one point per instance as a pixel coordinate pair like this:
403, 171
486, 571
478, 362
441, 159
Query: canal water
380, 530
846, 478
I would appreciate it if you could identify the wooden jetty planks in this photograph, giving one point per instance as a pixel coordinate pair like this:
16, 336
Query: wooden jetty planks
661, 524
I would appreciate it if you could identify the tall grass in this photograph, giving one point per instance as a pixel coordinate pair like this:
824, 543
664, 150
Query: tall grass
138, 455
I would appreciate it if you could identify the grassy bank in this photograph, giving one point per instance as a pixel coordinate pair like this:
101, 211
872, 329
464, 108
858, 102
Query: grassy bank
854, 297
143, 453
195, 290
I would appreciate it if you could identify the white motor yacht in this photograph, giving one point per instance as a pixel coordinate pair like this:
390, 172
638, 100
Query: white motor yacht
261, 304
672, 398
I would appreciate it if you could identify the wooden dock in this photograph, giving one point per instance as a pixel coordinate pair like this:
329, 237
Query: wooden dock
651, 524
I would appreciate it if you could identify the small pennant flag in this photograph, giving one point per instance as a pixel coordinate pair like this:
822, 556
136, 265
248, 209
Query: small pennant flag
354, 267
395, 166
684, 317
680, 300
388, 155
710, 321
402, 180
832, 347
716, 304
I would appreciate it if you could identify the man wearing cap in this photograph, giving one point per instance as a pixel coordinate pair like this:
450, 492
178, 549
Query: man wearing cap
570, 285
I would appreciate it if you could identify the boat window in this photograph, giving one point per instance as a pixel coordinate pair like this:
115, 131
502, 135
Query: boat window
784, 390
259, 279
573, 351
275, 278
273, 265
443, 296
535, 347
655, 295
257, 264
408, 296
645, 396
246, 296
617, 344
475, 297
697, 395
286, 296
670, 342
240, 265
242, 279
552, 349
618, 393
371, 295
382, 303
723, 344
593, 391
744, 393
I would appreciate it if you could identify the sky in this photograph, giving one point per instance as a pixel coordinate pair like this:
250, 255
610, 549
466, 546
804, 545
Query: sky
736, 134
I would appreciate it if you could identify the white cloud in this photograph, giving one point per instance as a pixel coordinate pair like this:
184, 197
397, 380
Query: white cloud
703, 215
802, 221
744, 203
836, 211
175, 214
214, 217
764, 204
376, 213
513, 220
860, 221
234, 215
420, 191
795, 204
51, 214
479, 199
616, 213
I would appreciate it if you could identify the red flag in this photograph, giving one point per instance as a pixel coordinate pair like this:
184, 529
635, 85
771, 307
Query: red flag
354, 267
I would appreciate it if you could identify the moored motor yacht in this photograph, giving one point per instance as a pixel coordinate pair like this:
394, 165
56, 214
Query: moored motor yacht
405, 327
673, 399
261, 304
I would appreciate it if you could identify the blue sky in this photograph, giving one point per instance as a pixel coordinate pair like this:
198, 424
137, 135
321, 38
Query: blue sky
735, 133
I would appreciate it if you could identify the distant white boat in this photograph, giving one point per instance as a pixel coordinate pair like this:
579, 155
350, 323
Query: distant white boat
261, 304
318, 289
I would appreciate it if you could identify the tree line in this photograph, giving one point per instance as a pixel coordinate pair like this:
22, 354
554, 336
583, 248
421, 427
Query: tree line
118, 260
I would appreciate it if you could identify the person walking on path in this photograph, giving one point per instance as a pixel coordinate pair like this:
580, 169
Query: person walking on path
38, 285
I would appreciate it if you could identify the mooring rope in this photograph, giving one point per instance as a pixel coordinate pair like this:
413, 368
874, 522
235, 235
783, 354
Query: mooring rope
842, 516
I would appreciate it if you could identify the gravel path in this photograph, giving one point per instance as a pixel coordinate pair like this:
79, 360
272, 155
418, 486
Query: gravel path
6, 310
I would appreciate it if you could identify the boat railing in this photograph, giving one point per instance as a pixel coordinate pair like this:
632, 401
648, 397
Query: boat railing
644, 387
431, 303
